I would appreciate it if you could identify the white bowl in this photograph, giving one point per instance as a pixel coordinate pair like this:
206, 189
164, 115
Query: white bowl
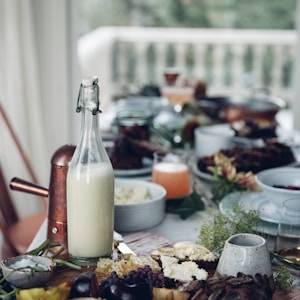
15, 271
284, 177
141, 216
211, 139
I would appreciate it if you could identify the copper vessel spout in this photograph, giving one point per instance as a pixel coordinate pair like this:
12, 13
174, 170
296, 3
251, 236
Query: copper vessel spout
21, 185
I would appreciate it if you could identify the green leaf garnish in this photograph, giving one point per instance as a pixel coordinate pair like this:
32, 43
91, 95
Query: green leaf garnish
185, 206
222, 187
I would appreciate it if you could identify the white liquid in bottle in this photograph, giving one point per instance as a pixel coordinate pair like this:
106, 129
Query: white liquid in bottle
90, 211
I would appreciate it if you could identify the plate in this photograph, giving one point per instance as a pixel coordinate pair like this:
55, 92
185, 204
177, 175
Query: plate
145, 170
209, 177
269, 212
200, 174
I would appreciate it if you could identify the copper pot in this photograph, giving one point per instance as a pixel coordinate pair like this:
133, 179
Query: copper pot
237, 107
57, 208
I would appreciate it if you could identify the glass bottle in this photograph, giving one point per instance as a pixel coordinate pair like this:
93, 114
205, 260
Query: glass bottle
90, 186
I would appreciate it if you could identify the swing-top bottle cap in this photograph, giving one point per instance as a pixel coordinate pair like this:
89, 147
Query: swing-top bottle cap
89, 81
92, 102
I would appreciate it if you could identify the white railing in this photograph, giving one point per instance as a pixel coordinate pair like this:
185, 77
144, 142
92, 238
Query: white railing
228, 60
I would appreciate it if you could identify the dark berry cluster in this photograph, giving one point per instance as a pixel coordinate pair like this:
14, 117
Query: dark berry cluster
137, 284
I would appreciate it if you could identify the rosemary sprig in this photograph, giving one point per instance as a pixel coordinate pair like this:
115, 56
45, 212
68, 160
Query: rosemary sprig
62, 262
46, 249
30, 270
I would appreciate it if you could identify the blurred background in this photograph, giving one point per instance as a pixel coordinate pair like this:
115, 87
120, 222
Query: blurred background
48, 46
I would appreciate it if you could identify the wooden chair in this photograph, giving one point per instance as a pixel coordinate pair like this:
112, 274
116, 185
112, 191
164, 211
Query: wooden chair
17, 232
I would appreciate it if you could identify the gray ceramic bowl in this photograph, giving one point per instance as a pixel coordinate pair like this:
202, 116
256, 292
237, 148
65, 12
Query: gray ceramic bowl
273, 180
141, 216
16, 273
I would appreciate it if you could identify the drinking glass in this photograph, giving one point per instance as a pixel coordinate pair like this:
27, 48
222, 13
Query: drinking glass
171, 74
178, 95
172, 172
174, 90
288, 235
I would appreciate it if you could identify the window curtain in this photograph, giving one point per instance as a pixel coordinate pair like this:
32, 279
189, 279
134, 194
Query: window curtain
38, 78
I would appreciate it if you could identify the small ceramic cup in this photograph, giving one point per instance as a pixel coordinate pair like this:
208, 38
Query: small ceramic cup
245, 253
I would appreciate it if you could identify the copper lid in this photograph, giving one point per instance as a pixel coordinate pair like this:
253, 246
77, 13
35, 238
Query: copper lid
63, 155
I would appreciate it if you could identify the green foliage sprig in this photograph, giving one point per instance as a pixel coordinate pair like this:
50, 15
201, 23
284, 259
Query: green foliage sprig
222, 187
283, 278
216, 230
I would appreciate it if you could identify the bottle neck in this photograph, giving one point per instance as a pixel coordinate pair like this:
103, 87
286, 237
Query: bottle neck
90, 125
88, 104
90, 149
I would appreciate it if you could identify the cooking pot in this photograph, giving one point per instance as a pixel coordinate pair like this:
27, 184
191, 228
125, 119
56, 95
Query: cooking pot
259, 104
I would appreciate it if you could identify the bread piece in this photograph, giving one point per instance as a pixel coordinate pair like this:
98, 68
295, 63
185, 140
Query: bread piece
167, 294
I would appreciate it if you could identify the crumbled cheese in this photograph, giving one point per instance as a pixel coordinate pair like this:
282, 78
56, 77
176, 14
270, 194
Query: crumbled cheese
187, 250
124, 196
186, 271
193, 251
167, 261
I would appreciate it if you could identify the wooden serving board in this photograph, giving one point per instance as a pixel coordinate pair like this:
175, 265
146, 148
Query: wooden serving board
143, 243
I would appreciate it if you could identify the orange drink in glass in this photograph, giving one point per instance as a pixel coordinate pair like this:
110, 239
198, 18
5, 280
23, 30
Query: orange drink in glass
172, 175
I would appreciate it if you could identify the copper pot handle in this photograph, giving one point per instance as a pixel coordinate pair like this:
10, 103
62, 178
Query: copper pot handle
21, 185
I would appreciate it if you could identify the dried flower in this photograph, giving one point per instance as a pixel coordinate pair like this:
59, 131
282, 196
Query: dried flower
228, 180
246, 181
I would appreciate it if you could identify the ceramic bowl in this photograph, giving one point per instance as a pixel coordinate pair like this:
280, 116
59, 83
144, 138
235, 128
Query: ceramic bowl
211, 139
246, 253
277, 183
18, 274
140, 216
